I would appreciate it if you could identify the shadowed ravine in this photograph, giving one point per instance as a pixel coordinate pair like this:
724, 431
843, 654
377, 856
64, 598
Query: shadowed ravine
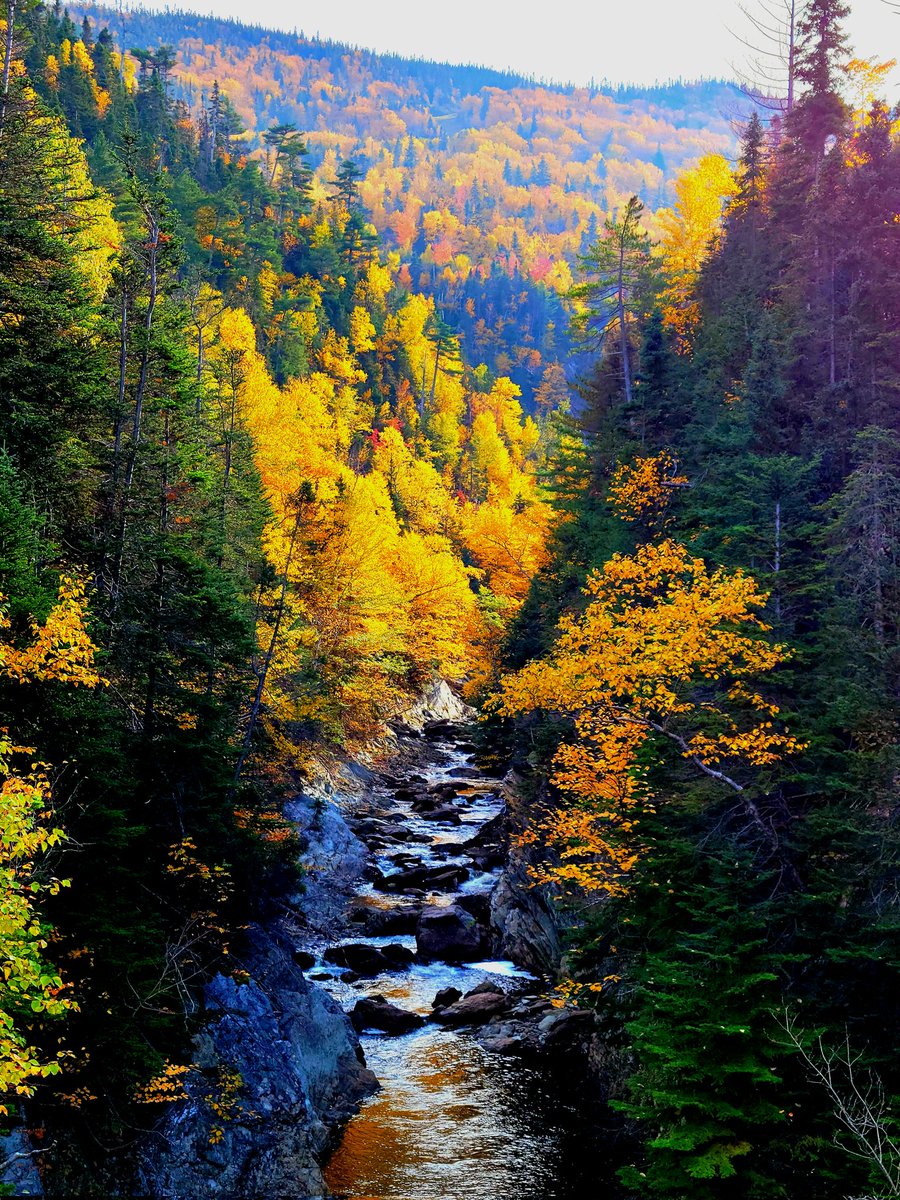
452, 1120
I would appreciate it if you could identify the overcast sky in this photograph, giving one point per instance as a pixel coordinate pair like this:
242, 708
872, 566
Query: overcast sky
564, 40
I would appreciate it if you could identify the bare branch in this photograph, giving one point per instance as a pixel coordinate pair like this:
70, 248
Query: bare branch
768, 74
857, 1097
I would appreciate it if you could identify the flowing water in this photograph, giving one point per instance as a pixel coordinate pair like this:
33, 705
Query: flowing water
453, 1121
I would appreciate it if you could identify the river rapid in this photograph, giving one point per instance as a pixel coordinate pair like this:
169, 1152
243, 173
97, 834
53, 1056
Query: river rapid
459, 1115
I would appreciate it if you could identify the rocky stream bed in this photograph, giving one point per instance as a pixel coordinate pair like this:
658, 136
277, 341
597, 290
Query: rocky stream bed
392, 1027
475, 1065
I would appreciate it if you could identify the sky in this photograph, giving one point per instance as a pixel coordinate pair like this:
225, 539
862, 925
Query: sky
570, 41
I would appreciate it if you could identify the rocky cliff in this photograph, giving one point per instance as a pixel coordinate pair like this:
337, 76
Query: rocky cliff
278, 1066
524, 920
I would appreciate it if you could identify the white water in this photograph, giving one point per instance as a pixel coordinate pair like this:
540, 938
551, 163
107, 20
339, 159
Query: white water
453, 1121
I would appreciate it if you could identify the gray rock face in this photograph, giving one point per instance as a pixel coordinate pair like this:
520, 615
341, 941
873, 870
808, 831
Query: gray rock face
282, 1064
331, 850
523, 920
438, 703
525, 926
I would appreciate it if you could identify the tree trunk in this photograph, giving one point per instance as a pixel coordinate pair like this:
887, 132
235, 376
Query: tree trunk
153, 247
7, 61
123, 370
777, 563
792, 53
153, 262
226, 472
263, 673
437, 361
623, 332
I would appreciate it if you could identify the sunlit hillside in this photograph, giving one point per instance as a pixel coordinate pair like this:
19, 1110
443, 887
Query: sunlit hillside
488, 185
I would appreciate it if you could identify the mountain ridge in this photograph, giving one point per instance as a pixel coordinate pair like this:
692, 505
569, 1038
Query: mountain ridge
485, 186
499, 75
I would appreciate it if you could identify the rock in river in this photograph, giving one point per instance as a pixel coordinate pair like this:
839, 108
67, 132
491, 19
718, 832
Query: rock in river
445, 997
374, 1012
448, 933
364, 960
420, 876
474, 1009
402, 918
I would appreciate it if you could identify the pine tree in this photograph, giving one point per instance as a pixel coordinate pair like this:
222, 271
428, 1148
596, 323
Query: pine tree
613, 270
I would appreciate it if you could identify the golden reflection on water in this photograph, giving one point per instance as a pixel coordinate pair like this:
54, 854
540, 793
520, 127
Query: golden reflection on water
452, 1122
449, 1124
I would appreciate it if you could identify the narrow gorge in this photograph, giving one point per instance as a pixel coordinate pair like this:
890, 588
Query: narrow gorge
385, 1044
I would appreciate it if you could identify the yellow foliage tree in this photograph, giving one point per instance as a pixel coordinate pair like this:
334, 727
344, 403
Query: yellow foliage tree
60, 650
370, 595
643, 490
687, 234
662, 653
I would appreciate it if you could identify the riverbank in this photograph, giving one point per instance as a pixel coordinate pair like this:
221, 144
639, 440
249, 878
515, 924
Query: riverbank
390, 1033
477, 1067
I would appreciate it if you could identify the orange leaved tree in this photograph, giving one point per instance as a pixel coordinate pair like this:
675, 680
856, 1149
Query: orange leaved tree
664, 653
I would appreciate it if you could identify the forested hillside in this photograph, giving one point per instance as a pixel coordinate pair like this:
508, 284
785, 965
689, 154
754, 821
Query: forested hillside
267, 311
712, 727
486, 185
252, 501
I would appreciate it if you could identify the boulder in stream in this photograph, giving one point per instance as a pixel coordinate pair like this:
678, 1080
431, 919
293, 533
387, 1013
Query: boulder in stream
374, 1012
474, 1009
445, 997
486, 988
447, 879
438, 730
478, 904
442, 789
382, 922
399, 881
503, 1043
358, 957
421, 876
449, 934
424, 804
446, 816
398, 954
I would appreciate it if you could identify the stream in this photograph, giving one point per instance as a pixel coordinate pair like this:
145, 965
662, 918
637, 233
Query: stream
455, 1118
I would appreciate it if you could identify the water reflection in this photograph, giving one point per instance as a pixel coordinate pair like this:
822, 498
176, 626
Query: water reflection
453, 1122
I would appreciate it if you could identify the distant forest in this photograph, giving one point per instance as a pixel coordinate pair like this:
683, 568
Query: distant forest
486, 184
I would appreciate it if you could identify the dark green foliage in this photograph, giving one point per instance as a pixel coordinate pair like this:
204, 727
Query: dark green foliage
23, 551
49, 368
112, 466
703, 1026
784, 419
